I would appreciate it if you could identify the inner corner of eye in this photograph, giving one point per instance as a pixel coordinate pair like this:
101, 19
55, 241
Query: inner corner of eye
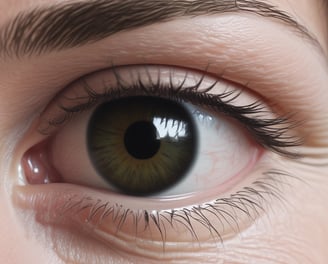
36, 165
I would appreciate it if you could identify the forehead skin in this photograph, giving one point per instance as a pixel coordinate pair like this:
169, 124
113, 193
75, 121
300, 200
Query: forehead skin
310, 13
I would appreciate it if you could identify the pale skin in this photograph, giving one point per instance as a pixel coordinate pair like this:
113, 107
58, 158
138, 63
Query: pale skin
271, 62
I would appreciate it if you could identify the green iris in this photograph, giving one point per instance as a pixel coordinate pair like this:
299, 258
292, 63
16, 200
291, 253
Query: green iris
142, 145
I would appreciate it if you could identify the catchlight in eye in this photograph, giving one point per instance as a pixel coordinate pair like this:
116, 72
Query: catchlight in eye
142, 145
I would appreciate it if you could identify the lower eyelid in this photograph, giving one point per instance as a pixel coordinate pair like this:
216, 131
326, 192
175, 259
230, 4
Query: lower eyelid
66, 223
79, 242
89, 215
64, 204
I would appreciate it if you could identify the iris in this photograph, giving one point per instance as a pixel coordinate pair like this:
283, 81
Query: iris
142, 145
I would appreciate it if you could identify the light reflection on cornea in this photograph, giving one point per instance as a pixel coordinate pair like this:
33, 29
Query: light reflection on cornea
171, 128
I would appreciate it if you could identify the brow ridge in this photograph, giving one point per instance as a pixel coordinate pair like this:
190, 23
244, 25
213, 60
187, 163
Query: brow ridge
68, 25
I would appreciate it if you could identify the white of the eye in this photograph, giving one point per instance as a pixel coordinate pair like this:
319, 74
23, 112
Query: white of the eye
224, 152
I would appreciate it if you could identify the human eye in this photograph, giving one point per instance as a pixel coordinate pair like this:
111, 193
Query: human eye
157, 154
153, 127
222, 114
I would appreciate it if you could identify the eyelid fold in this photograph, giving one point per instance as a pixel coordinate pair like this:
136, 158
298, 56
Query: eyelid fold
227, 51
178, 84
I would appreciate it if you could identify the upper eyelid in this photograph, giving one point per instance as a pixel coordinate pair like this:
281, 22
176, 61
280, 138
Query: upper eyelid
270, 130
74, 24
79, 95
225, 61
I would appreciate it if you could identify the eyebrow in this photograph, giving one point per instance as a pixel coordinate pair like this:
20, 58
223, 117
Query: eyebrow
63, 26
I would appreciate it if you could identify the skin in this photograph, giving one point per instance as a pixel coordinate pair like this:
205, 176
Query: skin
293, 229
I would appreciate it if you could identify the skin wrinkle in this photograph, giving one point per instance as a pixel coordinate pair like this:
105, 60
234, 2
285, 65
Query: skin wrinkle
74, 24
273, 248
291, 245
243, 250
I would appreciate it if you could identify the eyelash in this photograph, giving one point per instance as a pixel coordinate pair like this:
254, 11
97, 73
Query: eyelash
250, 201
270, 133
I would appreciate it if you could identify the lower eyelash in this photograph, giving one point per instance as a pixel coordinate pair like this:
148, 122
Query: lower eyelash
250, 202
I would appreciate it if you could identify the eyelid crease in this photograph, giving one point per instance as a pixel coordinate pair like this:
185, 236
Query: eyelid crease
272, 133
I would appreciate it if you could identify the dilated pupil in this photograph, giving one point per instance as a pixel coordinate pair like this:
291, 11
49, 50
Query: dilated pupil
141, 140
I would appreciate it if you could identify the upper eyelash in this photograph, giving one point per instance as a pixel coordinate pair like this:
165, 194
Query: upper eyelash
270, 133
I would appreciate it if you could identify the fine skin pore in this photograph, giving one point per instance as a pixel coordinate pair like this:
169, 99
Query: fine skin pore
272, 52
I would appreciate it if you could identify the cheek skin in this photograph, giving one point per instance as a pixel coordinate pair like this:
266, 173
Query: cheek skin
298, 232
286, 233
16, 245
292, 232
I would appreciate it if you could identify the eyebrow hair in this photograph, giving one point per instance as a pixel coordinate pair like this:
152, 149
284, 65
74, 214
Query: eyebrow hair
62, 26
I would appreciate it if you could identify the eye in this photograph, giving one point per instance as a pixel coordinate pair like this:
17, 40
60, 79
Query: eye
155, 133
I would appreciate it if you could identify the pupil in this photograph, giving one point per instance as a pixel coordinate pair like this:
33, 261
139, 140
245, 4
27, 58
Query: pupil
141, 141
